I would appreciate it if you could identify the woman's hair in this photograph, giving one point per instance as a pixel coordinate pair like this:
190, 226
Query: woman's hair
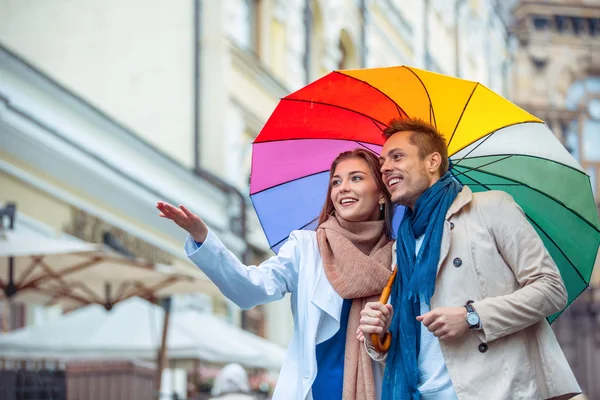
373, 162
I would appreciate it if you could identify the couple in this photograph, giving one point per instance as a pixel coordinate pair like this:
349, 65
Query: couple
468, 306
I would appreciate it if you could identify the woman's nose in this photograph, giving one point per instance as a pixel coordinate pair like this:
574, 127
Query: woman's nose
344, 187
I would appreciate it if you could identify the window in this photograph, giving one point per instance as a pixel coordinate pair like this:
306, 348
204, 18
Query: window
244, 23
541, 22
562, 23
278, 49
348, 56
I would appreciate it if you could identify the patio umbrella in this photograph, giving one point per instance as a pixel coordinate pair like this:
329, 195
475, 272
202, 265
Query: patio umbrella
41, 270
36, 269
131, 331
492, 144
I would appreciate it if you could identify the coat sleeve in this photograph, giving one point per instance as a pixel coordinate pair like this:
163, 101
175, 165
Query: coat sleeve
542, 291
247, 286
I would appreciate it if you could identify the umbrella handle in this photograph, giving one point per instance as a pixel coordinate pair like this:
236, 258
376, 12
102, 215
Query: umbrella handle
384, 345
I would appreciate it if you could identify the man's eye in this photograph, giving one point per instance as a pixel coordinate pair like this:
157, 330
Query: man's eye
397, 157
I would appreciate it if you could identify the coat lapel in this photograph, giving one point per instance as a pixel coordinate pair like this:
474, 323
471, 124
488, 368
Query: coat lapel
464, 197
327, 299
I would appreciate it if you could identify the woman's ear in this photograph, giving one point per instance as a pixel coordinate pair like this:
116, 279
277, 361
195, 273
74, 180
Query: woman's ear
382, 200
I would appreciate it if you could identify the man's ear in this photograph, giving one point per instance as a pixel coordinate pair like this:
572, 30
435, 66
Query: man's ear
435, 160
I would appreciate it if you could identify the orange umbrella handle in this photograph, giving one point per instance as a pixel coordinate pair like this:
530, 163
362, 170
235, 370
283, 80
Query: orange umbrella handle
383, 346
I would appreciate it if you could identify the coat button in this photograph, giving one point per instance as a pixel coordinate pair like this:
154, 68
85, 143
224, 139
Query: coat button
457, 262
451, 225
483, 347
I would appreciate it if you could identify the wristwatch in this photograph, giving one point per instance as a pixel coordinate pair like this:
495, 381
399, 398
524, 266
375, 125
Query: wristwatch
472, 317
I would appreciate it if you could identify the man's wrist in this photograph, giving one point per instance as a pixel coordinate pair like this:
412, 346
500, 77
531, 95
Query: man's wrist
472, 317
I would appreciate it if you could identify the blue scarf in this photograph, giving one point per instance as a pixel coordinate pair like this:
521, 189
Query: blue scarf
415, 282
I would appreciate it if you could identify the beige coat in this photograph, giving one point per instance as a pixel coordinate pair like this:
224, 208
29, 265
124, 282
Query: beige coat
492, 255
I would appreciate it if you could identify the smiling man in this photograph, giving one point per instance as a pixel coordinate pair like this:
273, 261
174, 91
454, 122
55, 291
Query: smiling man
474, 287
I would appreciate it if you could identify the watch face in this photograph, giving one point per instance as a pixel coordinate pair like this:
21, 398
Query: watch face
473, 319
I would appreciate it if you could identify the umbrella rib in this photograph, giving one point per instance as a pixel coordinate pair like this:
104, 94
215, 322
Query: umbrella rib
59, 294
72, 269
474, 148
558, 247
431, 110
480, 166
546, 234
290, 181
52, 273
463, 113
528, 156
362, 145
302, 227
121, 290
318, 138
85, 288
151, 291
535, 190
401, 111
334, 106
488, 134
569, 305
34, 263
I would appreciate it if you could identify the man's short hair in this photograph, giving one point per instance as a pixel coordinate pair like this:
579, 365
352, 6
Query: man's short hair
424, 135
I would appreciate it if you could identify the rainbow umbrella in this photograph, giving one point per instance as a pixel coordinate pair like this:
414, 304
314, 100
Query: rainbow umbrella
492, 143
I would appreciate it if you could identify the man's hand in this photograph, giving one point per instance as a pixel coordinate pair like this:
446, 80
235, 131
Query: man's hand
187, 220
446, 323
376, 317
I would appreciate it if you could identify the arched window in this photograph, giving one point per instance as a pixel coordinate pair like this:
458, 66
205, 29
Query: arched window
315, 44
348, 56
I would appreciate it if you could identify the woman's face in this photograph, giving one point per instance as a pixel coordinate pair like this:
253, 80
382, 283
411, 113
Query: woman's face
354, 192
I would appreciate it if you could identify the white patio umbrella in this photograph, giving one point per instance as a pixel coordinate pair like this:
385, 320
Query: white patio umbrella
36, 269
131, 330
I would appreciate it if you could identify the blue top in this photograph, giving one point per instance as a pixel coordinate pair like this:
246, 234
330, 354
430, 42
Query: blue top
329, 383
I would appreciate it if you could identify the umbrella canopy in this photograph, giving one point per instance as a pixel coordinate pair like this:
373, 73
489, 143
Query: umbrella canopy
133, 329
492, 144
36, 269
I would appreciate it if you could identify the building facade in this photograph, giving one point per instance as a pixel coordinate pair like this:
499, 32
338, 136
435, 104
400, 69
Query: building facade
556, 76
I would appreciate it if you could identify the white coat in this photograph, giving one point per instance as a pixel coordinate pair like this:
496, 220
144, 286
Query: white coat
316, 306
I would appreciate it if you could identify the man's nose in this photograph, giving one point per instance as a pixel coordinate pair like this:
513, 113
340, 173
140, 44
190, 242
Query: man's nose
384, 167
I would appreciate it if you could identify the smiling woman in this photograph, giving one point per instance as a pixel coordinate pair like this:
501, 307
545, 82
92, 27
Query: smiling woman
356, 191
336, 270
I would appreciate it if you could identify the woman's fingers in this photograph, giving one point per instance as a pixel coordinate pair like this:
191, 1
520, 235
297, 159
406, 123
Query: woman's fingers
187, 212
359, 335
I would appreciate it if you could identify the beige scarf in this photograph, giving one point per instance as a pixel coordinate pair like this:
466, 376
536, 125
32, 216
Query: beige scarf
357, 257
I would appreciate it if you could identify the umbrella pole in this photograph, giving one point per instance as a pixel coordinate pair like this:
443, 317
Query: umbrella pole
162, 354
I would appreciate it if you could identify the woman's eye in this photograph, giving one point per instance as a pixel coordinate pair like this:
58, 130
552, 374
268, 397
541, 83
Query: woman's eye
356, 178
335, 182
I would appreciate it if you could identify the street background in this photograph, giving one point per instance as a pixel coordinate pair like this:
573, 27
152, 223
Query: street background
107, 106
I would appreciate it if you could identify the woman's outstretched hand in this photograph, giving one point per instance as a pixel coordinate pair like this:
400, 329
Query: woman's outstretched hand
187, 220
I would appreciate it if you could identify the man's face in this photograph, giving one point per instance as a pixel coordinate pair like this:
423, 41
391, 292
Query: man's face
405, 174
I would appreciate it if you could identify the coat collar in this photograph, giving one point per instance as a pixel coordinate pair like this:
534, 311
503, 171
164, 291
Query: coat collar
464, 197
